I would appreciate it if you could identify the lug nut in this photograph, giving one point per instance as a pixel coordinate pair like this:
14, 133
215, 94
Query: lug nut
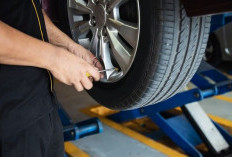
96, 1
108, 9
93, 21
104, 32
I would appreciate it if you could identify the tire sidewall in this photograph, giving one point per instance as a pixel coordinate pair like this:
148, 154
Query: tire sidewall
116, 94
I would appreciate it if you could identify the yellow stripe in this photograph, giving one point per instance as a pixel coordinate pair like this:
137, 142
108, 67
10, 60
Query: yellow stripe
42, 36
41, 32
227, 75
139, 137
224, 98
226, 124
147, 141
221, 121
50, 77
73, 151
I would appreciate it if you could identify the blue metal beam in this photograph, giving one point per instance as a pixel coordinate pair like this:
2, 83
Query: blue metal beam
208, 83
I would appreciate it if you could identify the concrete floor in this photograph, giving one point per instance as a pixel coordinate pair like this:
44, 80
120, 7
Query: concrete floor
112, 143
218, 107
72, 100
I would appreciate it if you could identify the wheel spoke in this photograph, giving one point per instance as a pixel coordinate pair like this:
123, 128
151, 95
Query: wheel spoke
105, 56
85, 42
79, 8
94, 43
114, 3
120, 51
127, 30
98, 26
80, 27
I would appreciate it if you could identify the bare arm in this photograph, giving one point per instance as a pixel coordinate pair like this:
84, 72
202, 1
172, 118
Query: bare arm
58, 38
55, 35
17, 48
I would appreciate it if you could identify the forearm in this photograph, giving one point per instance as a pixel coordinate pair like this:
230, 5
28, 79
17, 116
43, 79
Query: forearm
17, 48
56, 36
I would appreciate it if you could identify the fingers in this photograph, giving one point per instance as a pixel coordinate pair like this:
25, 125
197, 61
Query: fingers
72, 70
99, 67
87, 84
97, 64
85, 76
91, 78
79, 87
84, 84
94, 73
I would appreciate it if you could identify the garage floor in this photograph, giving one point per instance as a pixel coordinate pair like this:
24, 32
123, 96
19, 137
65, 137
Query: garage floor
113, 143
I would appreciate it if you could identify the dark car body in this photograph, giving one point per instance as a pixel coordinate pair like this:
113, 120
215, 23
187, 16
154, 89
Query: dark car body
192, 7
203, 7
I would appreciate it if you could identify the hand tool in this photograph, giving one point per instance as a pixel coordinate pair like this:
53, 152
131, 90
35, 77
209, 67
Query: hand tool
100, 71
112, 69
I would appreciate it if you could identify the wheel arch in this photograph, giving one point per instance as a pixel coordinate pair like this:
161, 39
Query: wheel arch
192, 7
204, 7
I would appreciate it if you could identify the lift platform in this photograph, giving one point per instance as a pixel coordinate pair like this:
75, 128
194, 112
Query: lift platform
193, 127
187, 130
74, 131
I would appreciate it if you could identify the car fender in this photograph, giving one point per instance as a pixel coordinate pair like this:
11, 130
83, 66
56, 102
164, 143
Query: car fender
204, 7
192, 7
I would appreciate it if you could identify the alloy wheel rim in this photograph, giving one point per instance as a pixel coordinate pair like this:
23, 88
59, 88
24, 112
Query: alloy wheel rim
108, 31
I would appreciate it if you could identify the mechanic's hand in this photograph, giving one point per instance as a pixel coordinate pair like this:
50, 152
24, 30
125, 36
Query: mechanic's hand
71, 70
85, 54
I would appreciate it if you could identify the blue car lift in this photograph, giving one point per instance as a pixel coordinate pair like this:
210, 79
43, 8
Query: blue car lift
187, 130
74, 131
194, 126
218, 21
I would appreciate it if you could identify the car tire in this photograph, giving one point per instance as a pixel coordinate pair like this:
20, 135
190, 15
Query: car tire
170, 49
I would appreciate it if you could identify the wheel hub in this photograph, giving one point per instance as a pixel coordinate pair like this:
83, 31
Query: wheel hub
100, 15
